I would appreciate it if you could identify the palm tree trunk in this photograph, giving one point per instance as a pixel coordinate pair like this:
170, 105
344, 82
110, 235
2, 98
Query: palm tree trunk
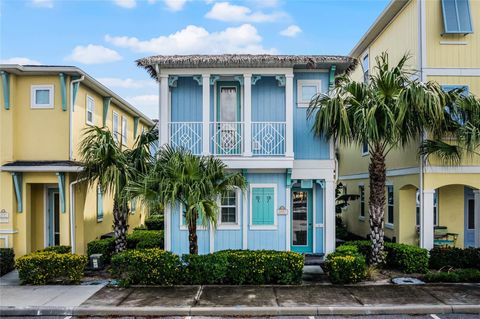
377, 203
120, 225
192, 234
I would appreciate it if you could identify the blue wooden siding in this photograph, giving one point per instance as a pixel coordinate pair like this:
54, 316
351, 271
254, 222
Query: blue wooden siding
231, 238
186, 101
268, 101
319, 239
180, 236
319, 214
305, 144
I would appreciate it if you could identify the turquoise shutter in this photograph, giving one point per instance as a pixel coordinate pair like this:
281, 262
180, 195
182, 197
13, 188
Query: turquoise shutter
263, 206
257, 206
268, 195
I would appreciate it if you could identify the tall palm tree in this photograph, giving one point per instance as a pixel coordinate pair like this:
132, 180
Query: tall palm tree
194, 182
111, 167
390, 110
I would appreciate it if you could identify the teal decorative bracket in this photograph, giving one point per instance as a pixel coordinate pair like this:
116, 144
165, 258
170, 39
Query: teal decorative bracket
281, 80
17, 184
320, 182
198, 79
239, 78
63, 90
214, 78
172, 81
331, 78
61, 187
6, 89
106, 106
75, 89
255, 79
135, 126
289, 177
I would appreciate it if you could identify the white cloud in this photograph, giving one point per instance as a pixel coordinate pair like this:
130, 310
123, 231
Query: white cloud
148, 104
20, 60
128, 4
197, 40
93, 54
292, 31
127, 83
43, 3
224, 11
175, 5
266, 3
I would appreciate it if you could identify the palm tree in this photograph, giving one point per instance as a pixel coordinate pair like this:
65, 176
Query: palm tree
106, 164
391, 110
194, 182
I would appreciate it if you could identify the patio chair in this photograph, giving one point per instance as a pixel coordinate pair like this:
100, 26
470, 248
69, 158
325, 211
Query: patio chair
442, 238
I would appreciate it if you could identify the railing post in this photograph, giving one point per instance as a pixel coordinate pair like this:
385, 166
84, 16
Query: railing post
289, 115
206, 114
247, 141
164, 120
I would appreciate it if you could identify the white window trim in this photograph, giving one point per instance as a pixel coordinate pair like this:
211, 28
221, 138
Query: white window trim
93, 110
275, 222
33, 90
124, 134
99, 219
387, 224
365, 153
230, 226
115, 133
184, 226
365, 54
300, 84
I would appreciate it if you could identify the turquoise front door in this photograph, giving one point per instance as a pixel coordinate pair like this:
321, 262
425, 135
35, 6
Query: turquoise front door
53, 217
302, 220
228, 134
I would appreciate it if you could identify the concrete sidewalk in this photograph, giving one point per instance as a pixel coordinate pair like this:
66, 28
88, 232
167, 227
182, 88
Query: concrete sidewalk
240, 300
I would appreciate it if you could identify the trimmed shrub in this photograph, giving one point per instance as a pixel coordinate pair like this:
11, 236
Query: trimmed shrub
47, 267
257, 267
459, 275
407, 258
455, 258
106, 247
62, 249
154, 222
145, 239
204, 269
364, 247
346, 268
7, 260
151, 266
347, 250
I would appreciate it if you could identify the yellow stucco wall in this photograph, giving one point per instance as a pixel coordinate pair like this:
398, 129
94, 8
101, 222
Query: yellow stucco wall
451, 210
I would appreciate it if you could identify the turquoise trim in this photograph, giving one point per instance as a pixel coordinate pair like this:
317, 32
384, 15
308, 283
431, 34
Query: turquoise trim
309, 247
75, 89
306, 183
63, 90
281, 80
239, 78
18, 185
263, 206
6, 89
453, 20
214, 78
198, 79
135, 126
289, 177
106, 106
331, 78
255, 79
61, 187
320, 182
172, 81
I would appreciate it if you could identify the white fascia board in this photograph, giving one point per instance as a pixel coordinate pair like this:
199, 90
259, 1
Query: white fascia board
226, 71
66, 169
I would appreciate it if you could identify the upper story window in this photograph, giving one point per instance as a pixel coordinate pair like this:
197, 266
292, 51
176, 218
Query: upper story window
90, 110
115, 126
455, 116
365, 67
390, 205
307, 89
456, 17
124, 130
99, 204
42, 97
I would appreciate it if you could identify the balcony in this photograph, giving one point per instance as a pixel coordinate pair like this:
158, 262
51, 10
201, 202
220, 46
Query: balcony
266, 139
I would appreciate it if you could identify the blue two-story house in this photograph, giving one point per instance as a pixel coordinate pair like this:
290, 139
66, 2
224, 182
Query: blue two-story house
250, 111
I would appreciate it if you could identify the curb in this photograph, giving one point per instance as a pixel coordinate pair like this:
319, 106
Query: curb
239, 311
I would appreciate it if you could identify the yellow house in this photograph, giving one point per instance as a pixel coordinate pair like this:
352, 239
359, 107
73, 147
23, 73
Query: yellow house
443, 39
44, 111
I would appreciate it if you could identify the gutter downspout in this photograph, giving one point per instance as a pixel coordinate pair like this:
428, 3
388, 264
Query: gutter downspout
72, 109
72, 214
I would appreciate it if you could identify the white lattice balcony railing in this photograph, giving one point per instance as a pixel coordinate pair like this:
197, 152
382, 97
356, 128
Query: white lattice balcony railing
187, 135
268, 138
226, 138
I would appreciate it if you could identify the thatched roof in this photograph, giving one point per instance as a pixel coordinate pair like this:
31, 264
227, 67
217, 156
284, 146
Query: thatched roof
342, 63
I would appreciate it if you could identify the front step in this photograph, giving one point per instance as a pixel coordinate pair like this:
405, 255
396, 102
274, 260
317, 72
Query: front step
314, 259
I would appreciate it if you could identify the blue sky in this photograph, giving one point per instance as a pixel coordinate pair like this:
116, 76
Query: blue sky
104, 38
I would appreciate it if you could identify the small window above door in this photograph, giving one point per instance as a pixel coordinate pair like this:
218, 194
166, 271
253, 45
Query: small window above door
307, 89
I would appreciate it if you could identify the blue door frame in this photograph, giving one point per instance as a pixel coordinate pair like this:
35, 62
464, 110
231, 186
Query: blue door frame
301, 220
53, 217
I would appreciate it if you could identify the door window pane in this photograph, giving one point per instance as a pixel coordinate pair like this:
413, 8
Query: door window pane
300, 218
228, 104
228, 205
42, 96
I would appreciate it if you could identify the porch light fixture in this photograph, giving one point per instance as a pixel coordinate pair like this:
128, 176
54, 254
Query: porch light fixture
282, 210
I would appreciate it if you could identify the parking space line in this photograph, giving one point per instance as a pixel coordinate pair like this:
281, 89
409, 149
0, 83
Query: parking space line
434, 316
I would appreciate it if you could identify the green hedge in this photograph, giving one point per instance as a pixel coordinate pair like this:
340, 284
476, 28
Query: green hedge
346, 268
7, 260
106, 247
151, 266
47, 267
154, 222
406, 258
145, 239
455, 258
204, 269
62, 249
459, 275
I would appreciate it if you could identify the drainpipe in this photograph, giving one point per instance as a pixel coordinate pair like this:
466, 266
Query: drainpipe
71, 115
72, 214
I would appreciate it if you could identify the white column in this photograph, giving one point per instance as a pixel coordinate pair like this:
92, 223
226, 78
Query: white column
212, 238
164, 120
288, 231
206, 114
289, 114
247, 116
245, 208
329, 225
476, 194
168, 228
426, 220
